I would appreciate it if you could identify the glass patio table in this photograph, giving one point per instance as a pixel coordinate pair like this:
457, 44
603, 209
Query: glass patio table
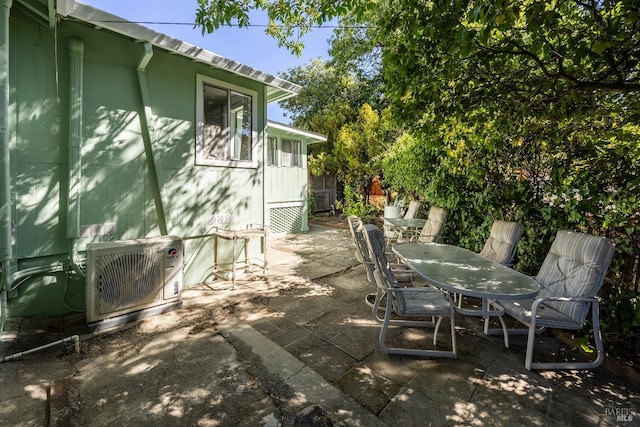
398, 225
409, 223
464, 272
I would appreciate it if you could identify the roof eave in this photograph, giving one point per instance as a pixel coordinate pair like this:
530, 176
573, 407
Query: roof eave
278, 89
312, 137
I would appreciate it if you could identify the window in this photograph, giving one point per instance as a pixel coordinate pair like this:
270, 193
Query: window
272, 151
226, 132
291, 153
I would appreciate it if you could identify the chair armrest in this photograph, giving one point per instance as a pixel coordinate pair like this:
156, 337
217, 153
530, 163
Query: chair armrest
402, 273
537, 317
399, 266
423, 289
540, 300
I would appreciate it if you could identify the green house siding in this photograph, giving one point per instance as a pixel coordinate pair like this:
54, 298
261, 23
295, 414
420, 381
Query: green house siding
287, 199
34, 141
117, 189
286, 186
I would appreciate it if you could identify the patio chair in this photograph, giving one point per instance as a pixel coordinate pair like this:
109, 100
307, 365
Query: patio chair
501, 245
412, 210
355, 226
403, 273
503, 241
432, 229
570, 277
409, 304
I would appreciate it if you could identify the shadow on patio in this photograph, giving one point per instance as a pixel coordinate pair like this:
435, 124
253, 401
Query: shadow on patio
270, 348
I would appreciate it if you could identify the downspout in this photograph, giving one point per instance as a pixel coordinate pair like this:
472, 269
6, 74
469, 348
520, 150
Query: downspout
76, 59
266, 213
5, 159
145, 120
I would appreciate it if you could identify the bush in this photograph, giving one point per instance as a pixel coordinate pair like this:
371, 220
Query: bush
354, 205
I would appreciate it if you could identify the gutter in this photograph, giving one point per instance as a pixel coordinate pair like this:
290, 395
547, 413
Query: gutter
76, 58
6, 248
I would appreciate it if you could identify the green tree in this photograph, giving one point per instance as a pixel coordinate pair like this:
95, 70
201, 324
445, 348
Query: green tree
545, 92
334, 91
332, 96
328, 99
289, 20
361, 145
522, 57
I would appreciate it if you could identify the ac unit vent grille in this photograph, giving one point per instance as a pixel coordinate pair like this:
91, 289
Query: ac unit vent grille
133, 279
126, 280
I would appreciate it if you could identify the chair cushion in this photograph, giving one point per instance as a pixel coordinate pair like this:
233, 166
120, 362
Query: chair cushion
574, 267
424, 303
546, 315
502, 242
412, 210
433, 227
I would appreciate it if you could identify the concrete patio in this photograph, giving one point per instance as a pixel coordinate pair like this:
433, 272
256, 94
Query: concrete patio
261, 353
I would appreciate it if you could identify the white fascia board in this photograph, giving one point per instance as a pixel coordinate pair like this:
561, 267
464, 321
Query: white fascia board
277, 89
312, 137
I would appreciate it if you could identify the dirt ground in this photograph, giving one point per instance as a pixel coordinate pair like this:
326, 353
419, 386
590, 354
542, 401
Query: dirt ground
329, 220
338, 220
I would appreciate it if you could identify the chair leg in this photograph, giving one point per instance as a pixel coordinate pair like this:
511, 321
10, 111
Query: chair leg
489, 331
407, 351
499, 313
435, 331
530, 343
376, 306
597, 336
453, 334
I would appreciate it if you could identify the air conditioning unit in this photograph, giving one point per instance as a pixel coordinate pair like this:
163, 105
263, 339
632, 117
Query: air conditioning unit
132, 279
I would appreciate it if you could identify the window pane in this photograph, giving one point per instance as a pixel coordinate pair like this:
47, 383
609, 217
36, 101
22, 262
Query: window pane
271, 151
225, 134
291, 153
216, 128
298, 153
240, 126
286, 153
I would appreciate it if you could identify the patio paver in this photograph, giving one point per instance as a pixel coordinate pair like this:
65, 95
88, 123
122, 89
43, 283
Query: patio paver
303, 336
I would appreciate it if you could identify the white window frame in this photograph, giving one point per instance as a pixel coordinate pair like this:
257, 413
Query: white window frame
201, 158
272, 151
297, 156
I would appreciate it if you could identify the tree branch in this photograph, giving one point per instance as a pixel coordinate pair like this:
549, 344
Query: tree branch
617, 86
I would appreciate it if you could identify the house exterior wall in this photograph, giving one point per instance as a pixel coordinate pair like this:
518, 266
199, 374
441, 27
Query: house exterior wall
117, 190
286, 190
